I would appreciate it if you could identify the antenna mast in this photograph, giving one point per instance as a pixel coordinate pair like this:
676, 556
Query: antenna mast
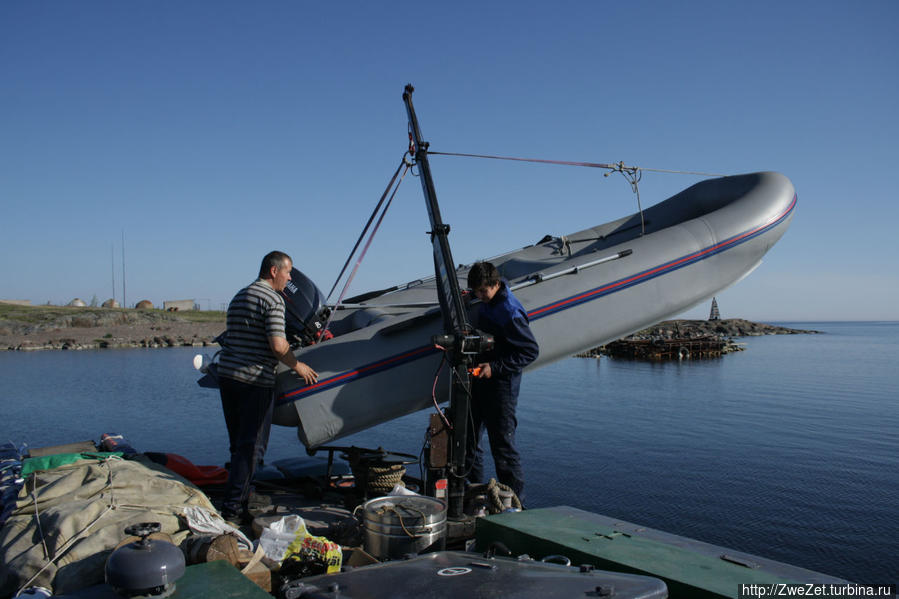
461, 342
112, 265
124, 301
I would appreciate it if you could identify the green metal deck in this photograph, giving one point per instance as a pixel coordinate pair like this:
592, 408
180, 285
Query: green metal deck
690, 568
212, 580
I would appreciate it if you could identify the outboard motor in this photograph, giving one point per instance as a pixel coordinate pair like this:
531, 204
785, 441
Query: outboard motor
305, 315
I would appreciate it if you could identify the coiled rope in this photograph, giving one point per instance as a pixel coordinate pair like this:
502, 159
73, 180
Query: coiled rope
382, 479
377, 479
494, 492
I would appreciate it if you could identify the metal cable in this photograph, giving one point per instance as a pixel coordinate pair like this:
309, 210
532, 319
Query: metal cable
603, 165
365, 229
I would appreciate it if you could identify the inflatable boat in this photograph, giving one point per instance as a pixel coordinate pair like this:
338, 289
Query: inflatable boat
580, 291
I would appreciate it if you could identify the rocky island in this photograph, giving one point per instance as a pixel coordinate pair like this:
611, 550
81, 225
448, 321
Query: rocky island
682, 339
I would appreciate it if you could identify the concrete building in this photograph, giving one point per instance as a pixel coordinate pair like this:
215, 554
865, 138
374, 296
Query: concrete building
179, 305
15, 302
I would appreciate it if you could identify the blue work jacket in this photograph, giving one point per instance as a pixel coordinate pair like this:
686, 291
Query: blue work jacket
505, 318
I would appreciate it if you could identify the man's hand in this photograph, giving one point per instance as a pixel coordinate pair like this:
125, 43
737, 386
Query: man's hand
281, 349
306, 373
485, 371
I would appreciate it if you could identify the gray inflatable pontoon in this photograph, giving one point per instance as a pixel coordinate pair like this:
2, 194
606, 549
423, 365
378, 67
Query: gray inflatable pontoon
580, 291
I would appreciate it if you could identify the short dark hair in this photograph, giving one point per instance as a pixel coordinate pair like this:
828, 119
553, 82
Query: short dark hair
276, 259
482, 274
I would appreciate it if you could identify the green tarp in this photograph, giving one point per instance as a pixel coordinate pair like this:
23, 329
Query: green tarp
49, 462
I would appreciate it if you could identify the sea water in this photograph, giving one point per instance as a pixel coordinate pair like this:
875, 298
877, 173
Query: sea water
788, 450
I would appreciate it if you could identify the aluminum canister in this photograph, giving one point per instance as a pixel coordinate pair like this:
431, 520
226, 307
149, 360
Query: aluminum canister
397, 526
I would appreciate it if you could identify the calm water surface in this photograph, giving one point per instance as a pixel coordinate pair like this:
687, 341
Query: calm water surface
789, 450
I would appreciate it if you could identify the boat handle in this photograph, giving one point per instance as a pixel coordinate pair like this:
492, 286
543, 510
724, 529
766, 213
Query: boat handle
557, 559
539, 277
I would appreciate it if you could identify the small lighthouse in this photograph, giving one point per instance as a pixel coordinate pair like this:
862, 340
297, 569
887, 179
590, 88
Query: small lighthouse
714, 314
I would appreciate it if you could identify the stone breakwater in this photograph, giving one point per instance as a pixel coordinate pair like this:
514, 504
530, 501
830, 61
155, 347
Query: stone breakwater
114, 342
688, 333
43, 328
730, 327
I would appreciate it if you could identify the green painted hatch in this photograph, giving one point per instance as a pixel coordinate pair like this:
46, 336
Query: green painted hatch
212, 580
690, 568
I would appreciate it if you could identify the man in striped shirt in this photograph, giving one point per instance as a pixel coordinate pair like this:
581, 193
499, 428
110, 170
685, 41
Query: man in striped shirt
255, 342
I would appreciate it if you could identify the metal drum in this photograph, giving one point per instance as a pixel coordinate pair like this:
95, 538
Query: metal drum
397, 526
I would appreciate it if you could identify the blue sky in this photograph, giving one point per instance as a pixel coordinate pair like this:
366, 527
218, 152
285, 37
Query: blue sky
211, 132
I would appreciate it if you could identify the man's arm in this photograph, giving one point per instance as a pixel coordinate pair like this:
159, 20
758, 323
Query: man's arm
281, 349
522, 349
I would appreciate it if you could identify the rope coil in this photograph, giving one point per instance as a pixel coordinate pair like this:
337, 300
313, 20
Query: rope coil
495, 492
377, 479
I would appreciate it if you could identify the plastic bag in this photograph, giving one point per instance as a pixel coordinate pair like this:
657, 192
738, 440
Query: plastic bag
316, 553
277, 536
202, 521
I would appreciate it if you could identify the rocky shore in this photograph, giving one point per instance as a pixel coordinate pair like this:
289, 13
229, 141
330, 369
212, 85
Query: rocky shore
723, 331
29, 328
51, 327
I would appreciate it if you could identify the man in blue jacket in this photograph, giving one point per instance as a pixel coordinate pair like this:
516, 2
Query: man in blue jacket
496, 384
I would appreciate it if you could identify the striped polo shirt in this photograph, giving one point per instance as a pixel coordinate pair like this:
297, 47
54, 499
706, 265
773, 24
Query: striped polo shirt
255, 314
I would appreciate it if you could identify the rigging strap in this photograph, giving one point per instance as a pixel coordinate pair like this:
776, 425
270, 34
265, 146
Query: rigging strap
404, 163
367, 225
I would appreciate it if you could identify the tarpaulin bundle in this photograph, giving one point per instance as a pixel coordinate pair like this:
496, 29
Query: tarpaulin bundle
68, 519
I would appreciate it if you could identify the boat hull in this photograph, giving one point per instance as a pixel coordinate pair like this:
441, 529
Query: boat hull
580, 291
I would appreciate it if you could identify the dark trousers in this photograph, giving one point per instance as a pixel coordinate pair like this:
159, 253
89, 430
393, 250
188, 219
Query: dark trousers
248, 416
493, 406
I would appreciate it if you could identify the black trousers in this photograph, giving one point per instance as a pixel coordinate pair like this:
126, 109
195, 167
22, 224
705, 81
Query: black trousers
248, 416
493, 406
